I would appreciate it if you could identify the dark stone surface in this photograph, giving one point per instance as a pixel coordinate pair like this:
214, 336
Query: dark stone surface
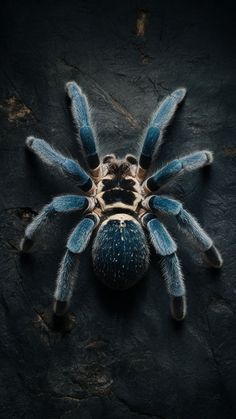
125, 358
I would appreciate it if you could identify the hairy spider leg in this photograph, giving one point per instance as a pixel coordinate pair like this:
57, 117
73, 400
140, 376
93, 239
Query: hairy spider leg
159, 122
177, 167
188, 224
69, 167
76, 244
166, 247
59, 204
81, 115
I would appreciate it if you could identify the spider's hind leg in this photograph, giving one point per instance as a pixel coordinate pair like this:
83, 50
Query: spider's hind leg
60, 204
76, 244
174, 278
166, 247
65, 282
188, 224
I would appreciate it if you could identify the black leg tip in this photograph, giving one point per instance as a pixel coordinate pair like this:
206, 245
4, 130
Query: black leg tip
26, 244
29, 141
178, 307
213, 257
60, 308
62, 320
59, 324
63, 324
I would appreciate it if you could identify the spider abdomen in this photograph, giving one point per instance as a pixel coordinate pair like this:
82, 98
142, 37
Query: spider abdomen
120, 252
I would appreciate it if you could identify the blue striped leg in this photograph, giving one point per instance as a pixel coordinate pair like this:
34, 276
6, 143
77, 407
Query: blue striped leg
69, 167
76, 244
81, 115
166, 247
60, 204
188, 224
159, 122
177, 167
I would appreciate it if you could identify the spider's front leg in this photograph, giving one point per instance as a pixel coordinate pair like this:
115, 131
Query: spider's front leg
176, 168
166, 247
76, 244
159, 122
68, 166
81, 115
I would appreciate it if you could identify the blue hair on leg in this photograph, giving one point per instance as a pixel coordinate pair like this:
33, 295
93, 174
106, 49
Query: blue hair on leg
173, 275
164, 175
35, 226
72, 203
149, 146
177, 167
160, 238
188, 224
191, 227
52, 157
165, 246
65, 282
196, 160
163, 204
76, 244
159, 122
79, 104
81, 115
89, 145
175, 286
80, 236
59, 204
120, 250
167, 109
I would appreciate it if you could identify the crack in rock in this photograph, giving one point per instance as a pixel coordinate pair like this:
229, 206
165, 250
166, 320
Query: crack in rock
107, 97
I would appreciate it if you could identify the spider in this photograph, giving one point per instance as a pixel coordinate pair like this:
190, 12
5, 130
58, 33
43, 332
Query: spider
120, 208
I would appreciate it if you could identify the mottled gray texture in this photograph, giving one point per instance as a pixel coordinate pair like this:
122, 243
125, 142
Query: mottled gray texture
125, 359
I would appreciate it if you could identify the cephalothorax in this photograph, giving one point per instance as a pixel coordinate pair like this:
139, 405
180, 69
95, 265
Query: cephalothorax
120, 208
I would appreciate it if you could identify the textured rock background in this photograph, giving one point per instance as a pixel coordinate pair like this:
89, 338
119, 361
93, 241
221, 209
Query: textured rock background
125, 358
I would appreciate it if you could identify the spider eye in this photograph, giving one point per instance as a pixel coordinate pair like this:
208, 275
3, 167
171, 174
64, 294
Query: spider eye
124, 168
131, 159
112, 168
108, 158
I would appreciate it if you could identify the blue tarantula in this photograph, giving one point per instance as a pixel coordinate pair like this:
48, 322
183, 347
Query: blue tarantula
120, 207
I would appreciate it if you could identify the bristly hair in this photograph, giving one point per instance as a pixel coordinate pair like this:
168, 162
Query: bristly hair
118, 167
120, 208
